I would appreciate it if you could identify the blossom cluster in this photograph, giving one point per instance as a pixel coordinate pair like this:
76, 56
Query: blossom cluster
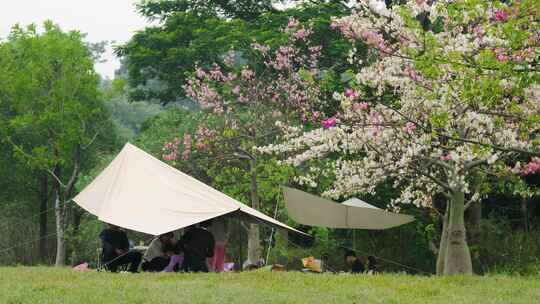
467, 99
531, 167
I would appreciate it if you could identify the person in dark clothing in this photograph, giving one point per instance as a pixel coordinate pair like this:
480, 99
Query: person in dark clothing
116, 252
371, 264
352, 260
198, 245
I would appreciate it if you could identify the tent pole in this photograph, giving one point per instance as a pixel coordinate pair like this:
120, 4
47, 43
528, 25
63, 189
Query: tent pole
354, 239
272, 232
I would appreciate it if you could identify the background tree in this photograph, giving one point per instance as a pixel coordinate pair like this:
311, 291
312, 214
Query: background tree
160, 58
56, 115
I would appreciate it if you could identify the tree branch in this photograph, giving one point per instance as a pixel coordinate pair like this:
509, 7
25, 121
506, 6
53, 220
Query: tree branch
495, 147
91, 141
474, 163
56, 178
75, 172
434, 179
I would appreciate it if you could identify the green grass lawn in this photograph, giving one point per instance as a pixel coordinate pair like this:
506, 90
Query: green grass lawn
51, 285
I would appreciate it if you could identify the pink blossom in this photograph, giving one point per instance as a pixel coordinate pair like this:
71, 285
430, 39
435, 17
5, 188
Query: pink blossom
216, 74
532, 167
301, 34
502, 58
329, 123
315, 51
236, 90
200, 73
374, 118
420, 2
247, 74
478, 31
517, 58
501, 16
352, 94
529, 52
261, 48
360, 106
187, 139
292, 22
372, 38
200, 145
446, 157
187, 146
409, 127
403, 40
411, 73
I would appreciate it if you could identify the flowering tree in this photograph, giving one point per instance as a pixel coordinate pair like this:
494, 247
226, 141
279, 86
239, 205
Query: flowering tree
449, 92
242, 104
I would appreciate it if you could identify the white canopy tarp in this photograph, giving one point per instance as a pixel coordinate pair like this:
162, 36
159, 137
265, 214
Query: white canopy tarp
139, 192
311, 210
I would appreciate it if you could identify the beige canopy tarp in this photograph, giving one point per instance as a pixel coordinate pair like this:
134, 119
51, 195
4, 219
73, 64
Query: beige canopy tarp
311, 210
139, 192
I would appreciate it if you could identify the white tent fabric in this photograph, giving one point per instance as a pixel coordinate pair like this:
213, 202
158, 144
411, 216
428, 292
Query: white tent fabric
139, 192
311, 210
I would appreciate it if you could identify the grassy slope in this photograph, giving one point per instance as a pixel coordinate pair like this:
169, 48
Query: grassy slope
49, 285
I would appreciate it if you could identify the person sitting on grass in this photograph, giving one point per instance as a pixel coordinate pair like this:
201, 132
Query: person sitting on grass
162, 254
198, 245
219, 231
371, 265
115, 250
354, 262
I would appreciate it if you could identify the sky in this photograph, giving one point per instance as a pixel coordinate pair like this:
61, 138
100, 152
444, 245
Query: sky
111, 20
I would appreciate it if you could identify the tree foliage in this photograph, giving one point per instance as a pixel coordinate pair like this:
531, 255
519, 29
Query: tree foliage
168, 54
53, 116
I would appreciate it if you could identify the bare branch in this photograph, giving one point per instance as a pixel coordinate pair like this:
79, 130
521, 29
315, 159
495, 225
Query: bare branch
470, 203
56, 178
75, 172
91, 141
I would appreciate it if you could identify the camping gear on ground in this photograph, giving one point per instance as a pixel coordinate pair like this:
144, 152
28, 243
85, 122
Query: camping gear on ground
312, 265
249, 265
278, 267
176, 261
81, 267
311, 210
141, 193
228, 267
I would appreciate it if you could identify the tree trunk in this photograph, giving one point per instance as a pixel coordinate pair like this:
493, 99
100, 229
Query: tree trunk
59, 209
443, 247
43, 217
254, 242
458, 257
60, 204
524, 214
